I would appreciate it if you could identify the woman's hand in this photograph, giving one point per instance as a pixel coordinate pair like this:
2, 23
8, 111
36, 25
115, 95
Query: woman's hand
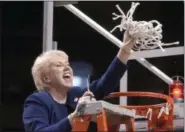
128, 42
125, 50
85, 99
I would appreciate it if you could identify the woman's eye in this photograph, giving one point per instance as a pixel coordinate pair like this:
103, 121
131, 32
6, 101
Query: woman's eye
58, 65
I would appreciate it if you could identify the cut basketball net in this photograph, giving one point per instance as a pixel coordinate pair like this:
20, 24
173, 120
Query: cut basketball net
148, 34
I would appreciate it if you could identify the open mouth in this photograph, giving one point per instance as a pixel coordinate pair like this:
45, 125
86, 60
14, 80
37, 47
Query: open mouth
67, 76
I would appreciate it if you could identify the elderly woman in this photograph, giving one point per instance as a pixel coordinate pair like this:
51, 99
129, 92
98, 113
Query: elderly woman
53, 107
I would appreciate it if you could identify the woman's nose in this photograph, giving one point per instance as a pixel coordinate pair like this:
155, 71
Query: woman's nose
66, 68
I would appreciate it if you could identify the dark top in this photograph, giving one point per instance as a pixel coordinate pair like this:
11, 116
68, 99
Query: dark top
43, 114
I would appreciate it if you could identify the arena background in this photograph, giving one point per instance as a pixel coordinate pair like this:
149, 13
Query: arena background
21, 27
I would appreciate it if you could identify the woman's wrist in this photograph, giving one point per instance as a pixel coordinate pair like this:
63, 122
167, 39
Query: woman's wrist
126, 51
123, 57
71, 117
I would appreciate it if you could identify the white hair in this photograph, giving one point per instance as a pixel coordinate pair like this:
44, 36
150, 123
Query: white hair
41, 65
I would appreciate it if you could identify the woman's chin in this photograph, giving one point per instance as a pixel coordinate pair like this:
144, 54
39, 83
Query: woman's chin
68, 86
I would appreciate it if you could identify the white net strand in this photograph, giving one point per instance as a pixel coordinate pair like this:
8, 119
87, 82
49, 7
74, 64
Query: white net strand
164, 110
148, 34
149, 114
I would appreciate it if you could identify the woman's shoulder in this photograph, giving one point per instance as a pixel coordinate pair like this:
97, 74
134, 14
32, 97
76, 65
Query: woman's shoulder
41, 97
